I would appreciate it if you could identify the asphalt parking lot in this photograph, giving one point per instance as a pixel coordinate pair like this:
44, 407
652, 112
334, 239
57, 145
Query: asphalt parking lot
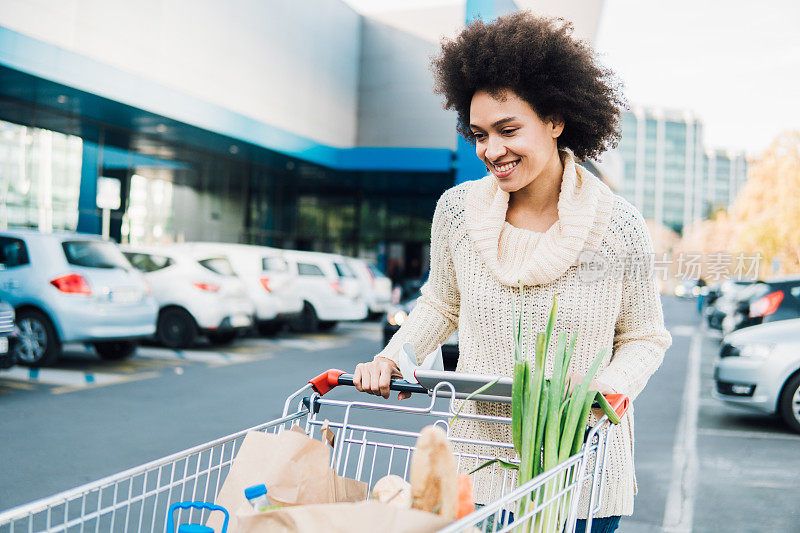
701, 466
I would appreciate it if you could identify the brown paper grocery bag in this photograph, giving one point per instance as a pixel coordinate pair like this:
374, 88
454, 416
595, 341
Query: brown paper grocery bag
362, 517
295, 469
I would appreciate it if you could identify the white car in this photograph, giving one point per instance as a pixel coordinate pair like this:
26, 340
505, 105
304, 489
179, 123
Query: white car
197, 294
759, 368
270, 280
72, 287
376, 288
329, 288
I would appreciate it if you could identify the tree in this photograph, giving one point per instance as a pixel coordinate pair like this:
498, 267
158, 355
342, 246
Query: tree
766, 213
764, 218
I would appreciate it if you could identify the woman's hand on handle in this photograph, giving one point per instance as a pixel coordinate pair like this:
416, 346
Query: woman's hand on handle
374, 377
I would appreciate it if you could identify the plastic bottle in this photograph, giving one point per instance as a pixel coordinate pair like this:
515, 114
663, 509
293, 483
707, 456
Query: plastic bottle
257, 496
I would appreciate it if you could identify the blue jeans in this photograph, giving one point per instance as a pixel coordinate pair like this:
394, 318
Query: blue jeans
599, 525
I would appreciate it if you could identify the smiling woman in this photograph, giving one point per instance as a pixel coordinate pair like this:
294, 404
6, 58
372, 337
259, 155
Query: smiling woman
534, 102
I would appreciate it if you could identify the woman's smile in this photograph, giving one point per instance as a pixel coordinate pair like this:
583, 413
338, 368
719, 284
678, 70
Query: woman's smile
504, 169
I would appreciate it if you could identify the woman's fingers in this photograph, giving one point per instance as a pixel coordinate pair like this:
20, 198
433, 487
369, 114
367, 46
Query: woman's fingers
357, 377
374, 379
384, 380
376, 376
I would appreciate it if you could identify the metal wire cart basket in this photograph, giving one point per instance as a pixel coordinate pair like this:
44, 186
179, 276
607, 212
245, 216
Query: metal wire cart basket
371, 440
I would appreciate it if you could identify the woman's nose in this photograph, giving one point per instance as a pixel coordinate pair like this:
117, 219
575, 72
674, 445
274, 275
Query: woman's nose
495, 149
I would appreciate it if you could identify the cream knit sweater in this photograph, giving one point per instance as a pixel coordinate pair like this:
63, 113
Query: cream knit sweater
477, 261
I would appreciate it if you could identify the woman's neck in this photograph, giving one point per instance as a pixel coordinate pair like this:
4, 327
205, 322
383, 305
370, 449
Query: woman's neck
540, 196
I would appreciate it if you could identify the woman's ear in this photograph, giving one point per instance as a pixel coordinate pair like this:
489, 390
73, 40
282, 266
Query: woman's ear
556, 124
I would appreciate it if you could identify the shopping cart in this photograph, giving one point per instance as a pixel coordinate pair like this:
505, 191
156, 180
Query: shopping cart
143, 499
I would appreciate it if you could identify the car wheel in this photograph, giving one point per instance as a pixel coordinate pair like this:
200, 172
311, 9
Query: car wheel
222, 337
789, 404
327, 325
308, 321
176, 328
38, 343
115, 350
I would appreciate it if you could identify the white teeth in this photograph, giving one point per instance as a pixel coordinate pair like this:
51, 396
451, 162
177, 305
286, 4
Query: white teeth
506, 167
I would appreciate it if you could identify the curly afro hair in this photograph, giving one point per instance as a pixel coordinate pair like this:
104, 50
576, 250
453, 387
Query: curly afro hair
539, 60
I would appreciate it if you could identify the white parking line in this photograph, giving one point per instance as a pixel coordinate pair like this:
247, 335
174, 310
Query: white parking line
682, 331
305, 344
68, 378
738, 434
195, 356
679, 509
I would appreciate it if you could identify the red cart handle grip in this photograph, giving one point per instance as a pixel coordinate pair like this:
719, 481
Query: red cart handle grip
619, 403
326, 381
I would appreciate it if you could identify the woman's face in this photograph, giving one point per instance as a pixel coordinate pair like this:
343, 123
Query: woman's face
511, 139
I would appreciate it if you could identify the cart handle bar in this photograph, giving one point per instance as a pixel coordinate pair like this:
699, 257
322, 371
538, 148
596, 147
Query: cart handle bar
329, 379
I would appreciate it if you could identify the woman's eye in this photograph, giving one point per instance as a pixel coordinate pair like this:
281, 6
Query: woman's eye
478, 137
509, 131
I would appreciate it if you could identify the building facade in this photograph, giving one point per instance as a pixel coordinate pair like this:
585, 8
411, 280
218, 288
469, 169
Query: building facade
669, 174
293, 124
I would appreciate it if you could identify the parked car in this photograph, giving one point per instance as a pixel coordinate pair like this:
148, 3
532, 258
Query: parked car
270, 280
726, 300
690, 288
759, 368
197, 293
376, 287
775, 299
329, 289
396, 317
8, 336
72, 287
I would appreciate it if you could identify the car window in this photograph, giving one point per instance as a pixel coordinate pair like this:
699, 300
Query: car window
13, 253
218, 265
344, 271
94, 254
274, 264
307, 269
148, 262
376, 272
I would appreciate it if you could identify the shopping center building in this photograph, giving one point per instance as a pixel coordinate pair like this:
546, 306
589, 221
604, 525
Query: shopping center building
297, 124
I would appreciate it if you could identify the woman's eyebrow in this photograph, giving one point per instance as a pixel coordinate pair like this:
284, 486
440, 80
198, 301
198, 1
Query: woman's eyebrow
496, 123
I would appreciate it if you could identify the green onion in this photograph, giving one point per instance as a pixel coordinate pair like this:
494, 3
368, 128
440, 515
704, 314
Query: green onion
548, 421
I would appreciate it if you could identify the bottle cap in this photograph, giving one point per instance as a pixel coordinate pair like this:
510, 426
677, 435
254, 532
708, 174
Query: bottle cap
255, 491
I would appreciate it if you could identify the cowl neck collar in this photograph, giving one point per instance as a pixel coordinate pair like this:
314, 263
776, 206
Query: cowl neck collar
513, 254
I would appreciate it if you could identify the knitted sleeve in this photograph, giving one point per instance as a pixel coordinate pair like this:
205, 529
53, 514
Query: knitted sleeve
640, 338
435, 316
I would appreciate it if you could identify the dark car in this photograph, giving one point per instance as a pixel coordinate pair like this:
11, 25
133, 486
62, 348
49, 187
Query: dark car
768, 301
7, 335
398, 314
724, 299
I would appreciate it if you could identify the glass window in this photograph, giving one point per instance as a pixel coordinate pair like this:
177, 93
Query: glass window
40, 171
94, 254
344, 270
274, 264
376, 272
13, 253
220, 265
148, 262
306, 269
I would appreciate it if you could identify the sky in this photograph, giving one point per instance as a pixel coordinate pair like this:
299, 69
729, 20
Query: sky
734, 63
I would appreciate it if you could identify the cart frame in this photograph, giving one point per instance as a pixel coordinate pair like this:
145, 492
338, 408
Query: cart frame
139, 499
